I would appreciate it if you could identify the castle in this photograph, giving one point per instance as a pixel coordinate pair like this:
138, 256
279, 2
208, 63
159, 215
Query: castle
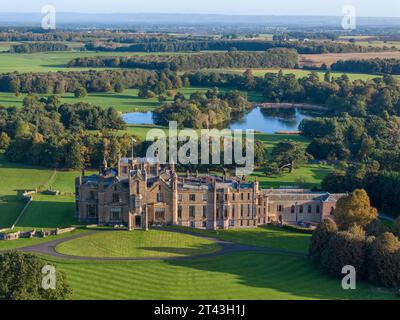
142, 193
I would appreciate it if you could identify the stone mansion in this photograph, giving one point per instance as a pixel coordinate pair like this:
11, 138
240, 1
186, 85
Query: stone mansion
142, 193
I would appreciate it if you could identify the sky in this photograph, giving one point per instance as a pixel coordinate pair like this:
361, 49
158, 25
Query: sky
366, 8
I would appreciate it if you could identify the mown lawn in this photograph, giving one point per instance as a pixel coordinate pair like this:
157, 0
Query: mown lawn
247, 275
137, 244
45, 211
23, 243
267, 237
49, 212
307, 176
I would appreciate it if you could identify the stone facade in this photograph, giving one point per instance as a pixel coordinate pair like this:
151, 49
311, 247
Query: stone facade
143, 193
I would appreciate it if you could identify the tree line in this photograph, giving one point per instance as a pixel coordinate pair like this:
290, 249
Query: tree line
372, 66
38, 47
273, 58
309, 47
91, 81
49, 133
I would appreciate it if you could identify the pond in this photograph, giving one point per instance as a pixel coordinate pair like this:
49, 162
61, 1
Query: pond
259, 119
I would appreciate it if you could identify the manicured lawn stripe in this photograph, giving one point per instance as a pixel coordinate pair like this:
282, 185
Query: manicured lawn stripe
234, 276
137, 244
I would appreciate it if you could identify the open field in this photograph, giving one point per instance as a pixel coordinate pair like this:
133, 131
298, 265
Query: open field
57, 61
137, 244
300, 73
303, 73
312, 60
128, 101
52, 61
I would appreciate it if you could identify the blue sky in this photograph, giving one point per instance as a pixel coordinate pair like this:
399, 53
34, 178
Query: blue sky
387, 8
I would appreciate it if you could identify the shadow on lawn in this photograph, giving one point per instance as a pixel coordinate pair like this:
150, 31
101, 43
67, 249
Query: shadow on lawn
294, 276
195, 250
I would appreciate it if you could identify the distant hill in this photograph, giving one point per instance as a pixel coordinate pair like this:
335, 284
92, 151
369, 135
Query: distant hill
133, 19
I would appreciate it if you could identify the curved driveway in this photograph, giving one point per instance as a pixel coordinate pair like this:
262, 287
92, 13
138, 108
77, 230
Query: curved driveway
49, 248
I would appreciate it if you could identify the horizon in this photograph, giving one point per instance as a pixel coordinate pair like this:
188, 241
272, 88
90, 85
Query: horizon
364, 8
197, 13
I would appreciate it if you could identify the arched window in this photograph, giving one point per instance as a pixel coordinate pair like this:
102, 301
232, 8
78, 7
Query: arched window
293, 209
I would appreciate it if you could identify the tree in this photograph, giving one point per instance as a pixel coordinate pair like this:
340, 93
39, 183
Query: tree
396, 227
21, 129
384, 261
289, 154
344, 248
355, 209
21, 279
320, 238
4, 140
376, 228
249, 79
80, 92
119, 88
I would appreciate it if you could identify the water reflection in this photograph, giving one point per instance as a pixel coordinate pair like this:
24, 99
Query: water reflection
264, 120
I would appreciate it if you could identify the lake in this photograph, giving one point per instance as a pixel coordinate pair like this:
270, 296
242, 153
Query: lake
259, 119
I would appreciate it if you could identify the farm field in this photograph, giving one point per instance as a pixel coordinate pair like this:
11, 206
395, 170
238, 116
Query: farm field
57, 61
303, 73
52, 61
137, 244
329, 58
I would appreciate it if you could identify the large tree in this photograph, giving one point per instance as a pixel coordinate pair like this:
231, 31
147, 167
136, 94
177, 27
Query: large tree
355, 209
289, 154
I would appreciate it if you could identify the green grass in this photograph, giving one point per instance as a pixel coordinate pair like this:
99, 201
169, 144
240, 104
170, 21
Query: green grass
307, 176
49, 212
45, 211
48, 61
23, 243
128, 101
267, 237
137, 244
247, 275
303, 73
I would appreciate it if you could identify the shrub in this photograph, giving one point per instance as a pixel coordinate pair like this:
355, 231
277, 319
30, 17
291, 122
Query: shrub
80, 92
